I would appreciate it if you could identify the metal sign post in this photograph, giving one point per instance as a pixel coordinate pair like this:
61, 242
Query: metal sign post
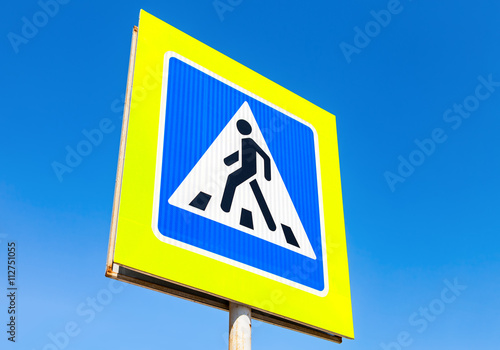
240, 327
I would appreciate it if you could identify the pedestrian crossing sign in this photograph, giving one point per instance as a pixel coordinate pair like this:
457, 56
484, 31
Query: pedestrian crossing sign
230, 189
239, 208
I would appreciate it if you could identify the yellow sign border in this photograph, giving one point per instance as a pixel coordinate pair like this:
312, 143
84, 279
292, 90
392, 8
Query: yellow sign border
132, 242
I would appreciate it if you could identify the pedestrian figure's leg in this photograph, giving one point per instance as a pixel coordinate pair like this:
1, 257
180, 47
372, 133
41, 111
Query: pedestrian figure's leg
233, 180
263, 205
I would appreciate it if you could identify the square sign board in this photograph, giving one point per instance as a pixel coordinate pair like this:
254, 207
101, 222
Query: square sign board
228, 188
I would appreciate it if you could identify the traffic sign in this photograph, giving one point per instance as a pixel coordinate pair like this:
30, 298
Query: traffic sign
228, 189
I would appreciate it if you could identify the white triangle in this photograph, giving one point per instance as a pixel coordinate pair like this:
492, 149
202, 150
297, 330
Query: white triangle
210, 174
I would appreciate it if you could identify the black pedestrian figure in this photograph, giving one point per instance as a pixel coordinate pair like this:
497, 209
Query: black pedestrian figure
249, 150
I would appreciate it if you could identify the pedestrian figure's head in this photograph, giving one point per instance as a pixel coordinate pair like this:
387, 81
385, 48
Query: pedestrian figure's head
244, 127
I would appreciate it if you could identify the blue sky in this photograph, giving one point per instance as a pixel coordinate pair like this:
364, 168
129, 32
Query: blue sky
418, 218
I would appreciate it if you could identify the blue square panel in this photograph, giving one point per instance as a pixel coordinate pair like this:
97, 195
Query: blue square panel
237, 179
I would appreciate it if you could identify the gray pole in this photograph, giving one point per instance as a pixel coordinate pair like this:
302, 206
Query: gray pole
240, 327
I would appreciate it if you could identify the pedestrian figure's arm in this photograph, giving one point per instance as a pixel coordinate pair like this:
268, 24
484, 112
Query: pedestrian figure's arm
267, 161
267, 166
231, 159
